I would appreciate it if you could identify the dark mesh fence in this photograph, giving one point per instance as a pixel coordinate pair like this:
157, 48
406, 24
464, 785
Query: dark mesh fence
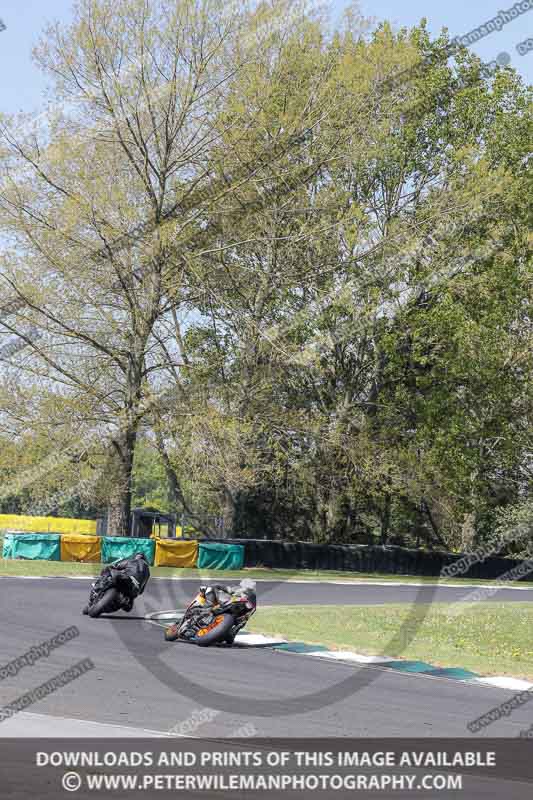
277, 554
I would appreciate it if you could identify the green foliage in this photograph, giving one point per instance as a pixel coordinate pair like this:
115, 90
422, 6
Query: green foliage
149, 479
321, 328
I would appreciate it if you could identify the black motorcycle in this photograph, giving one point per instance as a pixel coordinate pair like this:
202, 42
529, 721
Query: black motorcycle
106, 596
205, 624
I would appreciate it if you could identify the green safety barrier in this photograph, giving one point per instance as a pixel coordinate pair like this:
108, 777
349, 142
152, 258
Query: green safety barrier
7, 547
34, 546
216, 555
115, 547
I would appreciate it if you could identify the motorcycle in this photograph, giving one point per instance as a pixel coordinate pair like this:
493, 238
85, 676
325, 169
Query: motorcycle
106, 597
205, 624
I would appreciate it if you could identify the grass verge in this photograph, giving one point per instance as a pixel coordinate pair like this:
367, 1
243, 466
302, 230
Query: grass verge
44, 569
488, 638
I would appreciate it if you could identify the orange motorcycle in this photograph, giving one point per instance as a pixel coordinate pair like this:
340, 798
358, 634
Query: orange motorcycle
215, 616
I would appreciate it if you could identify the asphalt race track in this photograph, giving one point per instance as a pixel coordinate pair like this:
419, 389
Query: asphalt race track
141, 682
307, 593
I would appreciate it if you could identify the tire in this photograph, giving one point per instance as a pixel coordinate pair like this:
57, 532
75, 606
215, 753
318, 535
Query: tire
127, 605
109, 601
216, 632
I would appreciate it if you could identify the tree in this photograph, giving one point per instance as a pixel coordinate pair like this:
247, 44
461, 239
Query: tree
372, 370
295, 261
106, 212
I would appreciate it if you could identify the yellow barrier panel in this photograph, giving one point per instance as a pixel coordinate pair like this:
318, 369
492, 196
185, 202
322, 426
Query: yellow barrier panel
171, 553
30, 524
80, 547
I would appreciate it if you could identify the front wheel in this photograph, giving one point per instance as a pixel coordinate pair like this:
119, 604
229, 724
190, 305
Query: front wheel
172, 632
215, 632
108, 602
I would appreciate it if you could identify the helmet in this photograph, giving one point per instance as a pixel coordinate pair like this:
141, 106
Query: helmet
211, 595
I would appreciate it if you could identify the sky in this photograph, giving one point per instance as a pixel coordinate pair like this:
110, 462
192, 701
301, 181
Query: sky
22, 84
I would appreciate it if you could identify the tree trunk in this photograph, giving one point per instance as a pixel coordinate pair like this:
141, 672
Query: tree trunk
230, 511
175, 492
433, 524
119, 476
468, 532
385, 520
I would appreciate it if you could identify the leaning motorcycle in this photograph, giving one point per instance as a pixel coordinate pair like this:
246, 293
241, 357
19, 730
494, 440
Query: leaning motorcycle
106, 597
204, 624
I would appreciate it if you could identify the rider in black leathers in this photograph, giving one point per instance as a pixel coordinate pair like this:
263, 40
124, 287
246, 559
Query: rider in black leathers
132, 577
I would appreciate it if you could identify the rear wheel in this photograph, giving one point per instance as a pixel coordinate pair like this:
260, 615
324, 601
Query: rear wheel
126, 604
216, 631
109, 601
